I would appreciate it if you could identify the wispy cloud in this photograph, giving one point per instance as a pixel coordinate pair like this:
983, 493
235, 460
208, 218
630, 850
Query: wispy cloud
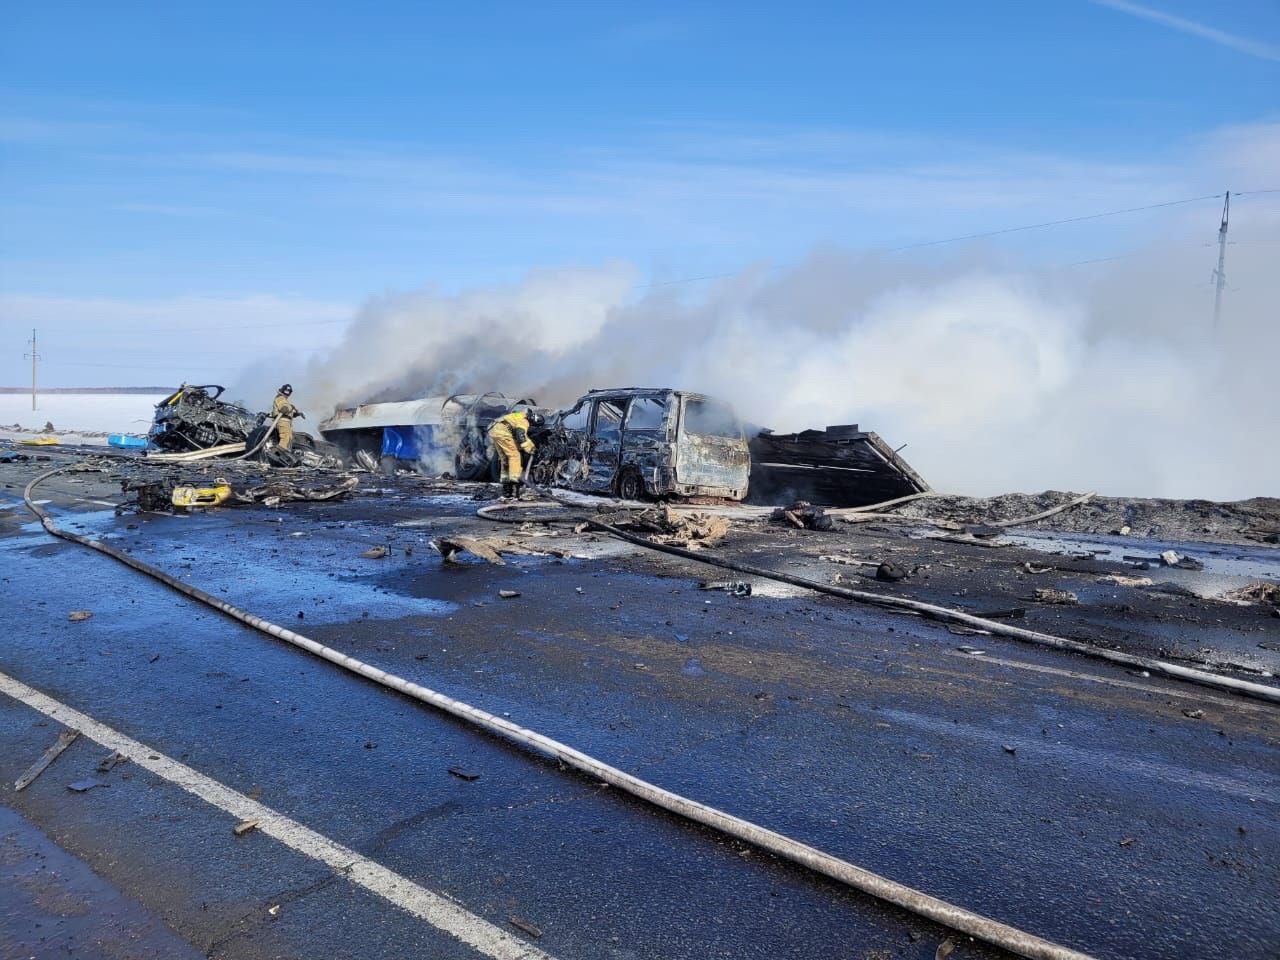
1253, 48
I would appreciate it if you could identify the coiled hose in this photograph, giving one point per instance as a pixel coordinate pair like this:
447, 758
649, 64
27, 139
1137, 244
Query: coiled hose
922, 904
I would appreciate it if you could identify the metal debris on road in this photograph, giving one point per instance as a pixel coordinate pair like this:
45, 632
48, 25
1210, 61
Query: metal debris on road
466, 775
374, 553
244, 826
76, 616
508, 594
526, 926
80, 786
111, 761
1053, 595
65, 739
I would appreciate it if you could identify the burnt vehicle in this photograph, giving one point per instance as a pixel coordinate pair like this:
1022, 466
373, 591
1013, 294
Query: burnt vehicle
433, 435
640, 443
472, 416
193, 419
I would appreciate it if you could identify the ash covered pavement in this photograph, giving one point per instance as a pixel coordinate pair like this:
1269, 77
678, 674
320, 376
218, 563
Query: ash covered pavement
1104, 808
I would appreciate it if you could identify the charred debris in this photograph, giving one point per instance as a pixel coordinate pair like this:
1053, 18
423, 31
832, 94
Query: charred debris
634, 443
655, 444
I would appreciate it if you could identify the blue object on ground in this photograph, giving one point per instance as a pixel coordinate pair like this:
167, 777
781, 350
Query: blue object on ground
128, 441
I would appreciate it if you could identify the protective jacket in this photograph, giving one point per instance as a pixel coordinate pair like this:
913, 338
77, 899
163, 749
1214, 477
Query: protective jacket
516, 426
283, 408
510, 436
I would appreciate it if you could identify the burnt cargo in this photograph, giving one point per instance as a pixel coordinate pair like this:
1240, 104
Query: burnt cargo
840, 466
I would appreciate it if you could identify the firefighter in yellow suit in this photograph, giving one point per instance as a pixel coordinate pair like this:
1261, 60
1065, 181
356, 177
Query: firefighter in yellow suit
510, 436
284, 409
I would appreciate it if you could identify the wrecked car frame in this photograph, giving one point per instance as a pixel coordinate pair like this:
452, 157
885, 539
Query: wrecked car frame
645, 442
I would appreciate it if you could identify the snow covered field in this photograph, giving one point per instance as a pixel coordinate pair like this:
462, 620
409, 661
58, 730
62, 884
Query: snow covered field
75, 412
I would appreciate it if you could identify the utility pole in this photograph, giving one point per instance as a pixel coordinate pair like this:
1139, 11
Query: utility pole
34, 357
1220, 275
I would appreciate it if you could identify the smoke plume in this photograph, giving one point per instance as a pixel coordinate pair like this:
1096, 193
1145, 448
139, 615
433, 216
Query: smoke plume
997, 376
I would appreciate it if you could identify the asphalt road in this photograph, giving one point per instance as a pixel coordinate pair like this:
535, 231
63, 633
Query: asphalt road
1122, 815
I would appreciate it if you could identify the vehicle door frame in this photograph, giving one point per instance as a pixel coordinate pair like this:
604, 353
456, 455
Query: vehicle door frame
602, 471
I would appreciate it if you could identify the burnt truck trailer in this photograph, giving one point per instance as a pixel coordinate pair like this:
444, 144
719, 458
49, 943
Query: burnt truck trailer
840, 466
432, 434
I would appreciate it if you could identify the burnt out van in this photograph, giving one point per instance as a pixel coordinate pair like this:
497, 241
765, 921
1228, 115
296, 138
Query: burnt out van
640, 443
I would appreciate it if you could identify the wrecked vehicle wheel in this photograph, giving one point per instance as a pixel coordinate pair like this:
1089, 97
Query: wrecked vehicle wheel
631, 485
466, 467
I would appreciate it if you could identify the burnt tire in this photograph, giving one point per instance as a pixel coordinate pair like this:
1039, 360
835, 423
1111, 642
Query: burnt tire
631, 485
470, 468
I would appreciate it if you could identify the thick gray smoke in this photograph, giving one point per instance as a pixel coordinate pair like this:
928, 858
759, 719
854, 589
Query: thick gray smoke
997, 377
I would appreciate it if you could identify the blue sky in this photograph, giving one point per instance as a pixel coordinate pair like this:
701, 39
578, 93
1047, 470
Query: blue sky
268, 166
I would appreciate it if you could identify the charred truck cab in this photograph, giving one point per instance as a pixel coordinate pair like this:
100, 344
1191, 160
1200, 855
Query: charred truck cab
637, 443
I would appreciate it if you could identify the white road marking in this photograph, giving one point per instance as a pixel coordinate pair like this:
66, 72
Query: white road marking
1182, 691
436, 909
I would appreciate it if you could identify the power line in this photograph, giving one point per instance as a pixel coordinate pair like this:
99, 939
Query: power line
996, 233
1054, 223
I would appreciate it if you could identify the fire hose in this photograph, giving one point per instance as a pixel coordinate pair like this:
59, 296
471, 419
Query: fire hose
922, 904
1248, 688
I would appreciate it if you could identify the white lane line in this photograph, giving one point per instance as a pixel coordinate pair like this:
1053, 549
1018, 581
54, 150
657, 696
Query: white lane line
1170, 691
434, 908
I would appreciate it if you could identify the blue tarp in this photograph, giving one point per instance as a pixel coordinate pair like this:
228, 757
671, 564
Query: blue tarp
404, 443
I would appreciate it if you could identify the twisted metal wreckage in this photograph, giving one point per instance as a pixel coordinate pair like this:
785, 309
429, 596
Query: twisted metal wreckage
634, 443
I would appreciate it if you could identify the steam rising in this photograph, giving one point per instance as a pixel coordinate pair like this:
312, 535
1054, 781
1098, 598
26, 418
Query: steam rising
998, 377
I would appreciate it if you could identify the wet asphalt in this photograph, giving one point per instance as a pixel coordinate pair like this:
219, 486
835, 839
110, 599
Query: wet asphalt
1122, 815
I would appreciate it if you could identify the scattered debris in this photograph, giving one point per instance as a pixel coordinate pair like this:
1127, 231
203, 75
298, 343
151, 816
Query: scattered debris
462, 774
214, 496
80, 786
76, 616
1009, 749
526, 926
1260, 592
739, 588
508, 594
111, 761
803, 515
945, 949
276, 492
1193, 714
273, 909
1120, 580
244, 826
485, 549
971, 651
1034, 568
677, 528
65, 739
890, 572
982, 531
1128, 841
1171, 558
374, 553
1053, 595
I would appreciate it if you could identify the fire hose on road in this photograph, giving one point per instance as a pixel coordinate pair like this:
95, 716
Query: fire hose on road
922, 904
1248, 688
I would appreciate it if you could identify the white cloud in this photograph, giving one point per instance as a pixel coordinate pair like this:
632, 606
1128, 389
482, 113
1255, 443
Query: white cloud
1253, 48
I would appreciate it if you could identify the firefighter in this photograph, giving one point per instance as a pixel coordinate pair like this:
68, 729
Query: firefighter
510, 436
284, 409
